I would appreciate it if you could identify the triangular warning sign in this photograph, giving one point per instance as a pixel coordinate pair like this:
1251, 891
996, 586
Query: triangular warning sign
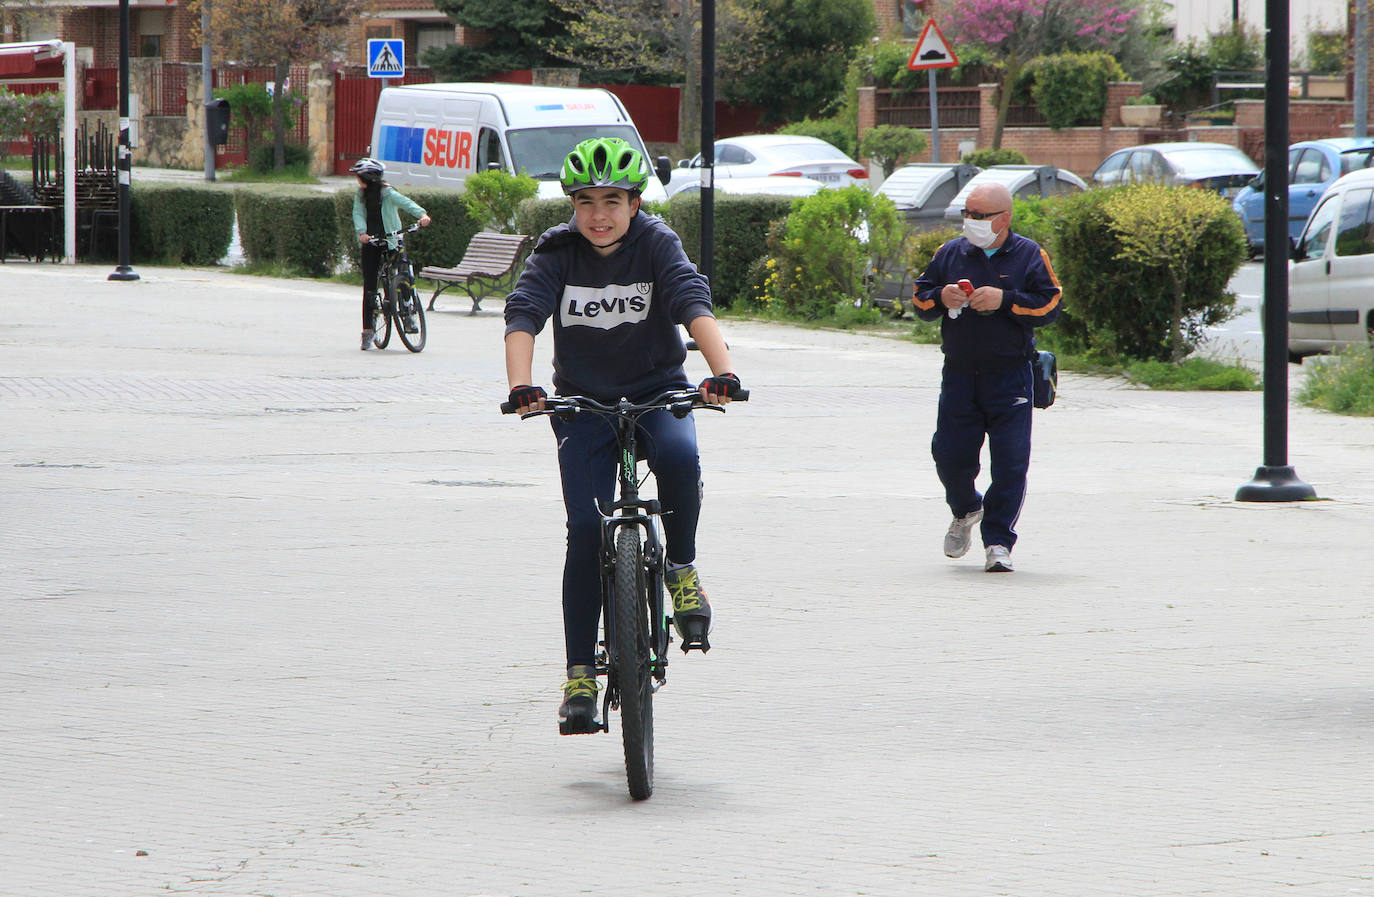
932, 50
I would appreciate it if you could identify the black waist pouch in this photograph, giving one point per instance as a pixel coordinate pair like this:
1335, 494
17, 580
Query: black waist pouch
1046, 370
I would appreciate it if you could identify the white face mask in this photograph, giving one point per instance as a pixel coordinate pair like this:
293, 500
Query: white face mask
979, 233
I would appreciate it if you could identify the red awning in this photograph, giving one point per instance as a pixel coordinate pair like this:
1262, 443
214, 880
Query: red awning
23, 59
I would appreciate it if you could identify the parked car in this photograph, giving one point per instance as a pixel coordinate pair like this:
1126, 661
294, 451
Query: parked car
772, 185
1331, 276
1216, 166
762, 155
1313, 166
1022, 180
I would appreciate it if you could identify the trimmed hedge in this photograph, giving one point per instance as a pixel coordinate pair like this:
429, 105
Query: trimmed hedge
180, 225
535, 216
442, 243
741, 227
296, 230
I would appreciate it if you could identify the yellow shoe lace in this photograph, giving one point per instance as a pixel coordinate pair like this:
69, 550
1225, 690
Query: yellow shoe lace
581, 687
685, 589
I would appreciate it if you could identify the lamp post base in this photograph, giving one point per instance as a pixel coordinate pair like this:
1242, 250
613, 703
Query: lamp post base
1275, 484
123, 272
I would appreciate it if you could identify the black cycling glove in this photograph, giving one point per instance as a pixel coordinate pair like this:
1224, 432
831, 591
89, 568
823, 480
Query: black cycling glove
724, 385
521, 396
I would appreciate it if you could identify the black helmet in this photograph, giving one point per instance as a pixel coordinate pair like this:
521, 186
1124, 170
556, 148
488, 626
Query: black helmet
370, 170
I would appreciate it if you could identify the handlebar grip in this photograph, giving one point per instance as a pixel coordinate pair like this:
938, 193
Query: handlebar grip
741, 395
507, 408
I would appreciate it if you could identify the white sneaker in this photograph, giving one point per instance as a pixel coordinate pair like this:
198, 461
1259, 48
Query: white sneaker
960, 529
999, 559
367, 340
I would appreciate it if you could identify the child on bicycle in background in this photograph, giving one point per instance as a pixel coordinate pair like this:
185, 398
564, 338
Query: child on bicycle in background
617, 284
375, 212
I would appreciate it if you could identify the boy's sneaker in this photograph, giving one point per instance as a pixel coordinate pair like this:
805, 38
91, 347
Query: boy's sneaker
367, 340
957, 537
577, 715
691, 610
999, 559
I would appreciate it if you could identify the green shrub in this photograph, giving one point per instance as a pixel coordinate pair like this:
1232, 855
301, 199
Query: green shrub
986, 158
493, 197
262, 159
1033, 218
1124, 293
1071, 88
443, 243
741, 230
818, 262
180, 225
889, 144
297, 230
1343, 384
839, 132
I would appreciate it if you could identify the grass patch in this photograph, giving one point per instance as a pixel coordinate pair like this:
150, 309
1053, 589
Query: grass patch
1193, 374
1343, 383
291, 174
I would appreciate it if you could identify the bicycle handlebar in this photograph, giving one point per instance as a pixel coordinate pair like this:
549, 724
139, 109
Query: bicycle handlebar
678, 401
372, 238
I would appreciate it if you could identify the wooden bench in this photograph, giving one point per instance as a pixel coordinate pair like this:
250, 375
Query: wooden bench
488, 259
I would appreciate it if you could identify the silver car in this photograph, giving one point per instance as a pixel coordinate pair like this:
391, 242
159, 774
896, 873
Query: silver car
1215, 166
1331, 276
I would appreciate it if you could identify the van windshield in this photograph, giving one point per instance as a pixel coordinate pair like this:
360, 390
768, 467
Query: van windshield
539, 152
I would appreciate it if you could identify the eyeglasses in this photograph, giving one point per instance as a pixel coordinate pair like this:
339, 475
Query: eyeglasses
979, 216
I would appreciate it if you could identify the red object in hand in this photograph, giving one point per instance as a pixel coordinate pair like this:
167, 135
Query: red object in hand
967, 287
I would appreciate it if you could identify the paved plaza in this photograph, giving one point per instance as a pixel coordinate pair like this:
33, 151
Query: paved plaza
279, 618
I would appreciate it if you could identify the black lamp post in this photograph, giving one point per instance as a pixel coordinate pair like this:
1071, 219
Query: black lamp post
124, 164
1276, 480
708, 137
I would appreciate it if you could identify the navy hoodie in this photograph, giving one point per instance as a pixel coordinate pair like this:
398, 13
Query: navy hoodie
614, 318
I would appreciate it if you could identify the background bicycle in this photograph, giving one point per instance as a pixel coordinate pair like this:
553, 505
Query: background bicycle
398, 305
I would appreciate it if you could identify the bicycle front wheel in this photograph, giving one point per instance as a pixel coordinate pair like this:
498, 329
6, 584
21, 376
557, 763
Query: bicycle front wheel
410, 309
632, 662
381, 331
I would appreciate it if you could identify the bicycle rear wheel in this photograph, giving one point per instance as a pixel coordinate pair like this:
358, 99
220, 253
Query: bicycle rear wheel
407, 303
632, 662
381, 330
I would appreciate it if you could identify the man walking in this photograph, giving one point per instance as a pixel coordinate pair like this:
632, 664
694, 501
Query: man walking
992, 288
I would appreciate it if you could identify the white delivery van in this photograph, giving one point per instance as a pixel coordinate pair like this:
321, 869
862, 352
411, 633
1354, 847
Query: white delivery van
435, 135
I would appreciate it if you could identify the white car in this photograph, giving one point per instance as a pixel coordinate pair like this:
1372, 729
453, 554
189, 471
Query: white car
1024, 181
765, 155
774, 185
1331, 276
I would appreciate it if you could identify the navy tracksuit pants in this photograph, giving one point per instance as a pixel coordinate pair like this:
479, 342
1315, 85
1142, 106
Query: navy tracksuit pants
588, 457
997, 404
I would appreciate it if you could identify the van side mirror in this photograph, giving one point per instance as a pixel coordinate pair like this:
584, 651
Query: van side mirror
493, 166
1257, 184
663, 167
684, 163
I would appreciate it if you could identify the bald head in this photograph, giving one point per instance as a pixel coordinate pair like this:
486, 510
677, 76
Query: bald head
990, 198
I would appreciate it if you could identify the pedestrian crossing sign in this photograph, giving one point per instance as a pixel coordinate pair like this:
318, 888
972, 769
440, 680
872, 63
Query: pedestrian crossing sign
386, 57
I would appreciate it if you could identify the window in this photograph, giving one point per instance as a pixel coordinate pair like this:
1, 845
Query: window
1356, 234
1109, 172
1312, 168
732, 155
1147, 166
489, 150
1313, 242
432, 37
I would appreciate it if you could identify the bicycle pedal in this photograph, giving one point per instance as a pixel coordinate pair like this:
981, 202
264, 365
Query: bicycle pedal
579, 726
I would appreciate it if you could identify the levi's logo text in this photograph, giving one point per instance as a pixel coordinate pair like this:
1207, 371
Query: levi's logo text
605, 307
439, 147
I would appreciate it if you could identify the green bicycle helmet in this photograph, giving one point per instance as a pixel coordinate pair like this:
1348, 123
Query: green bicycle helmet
604, 162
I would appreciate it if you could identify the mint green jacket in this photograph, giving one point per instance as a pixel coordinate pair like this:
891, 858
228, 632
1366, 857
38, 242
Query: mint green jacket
392, 200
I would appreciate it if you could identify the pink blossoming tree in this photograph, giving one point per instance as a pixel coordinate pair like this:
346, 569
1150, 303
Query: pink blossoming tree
1017, 31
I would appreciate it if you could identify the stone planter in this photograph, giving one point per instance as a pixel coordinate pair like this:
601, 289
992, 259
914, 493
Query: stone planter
1141, 116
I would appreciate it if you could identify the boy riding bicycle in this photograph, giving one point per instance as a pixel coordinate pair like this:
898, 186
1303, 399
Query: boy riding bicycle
617, 284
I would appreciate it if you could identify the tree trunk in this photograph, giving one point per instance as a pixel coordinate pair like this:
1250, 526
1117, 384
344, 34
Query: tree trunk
1010, 72
689, 103
282, 72
1176, 318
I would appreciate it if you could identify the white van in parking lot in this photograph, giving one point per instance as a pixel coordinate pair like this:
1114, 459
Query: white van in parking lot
435, 135
1331, 277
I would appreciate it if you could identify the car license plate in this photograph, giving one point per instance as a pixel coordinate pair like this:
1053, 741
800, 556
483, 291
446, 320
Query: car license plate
826, 177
